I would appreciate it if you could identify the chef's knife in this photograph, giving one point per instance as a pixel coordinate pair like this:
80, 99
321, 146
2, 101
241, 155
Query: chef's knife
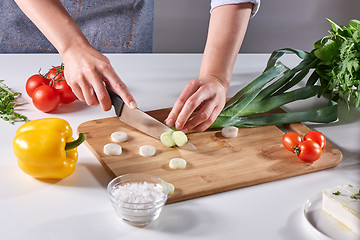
140, 120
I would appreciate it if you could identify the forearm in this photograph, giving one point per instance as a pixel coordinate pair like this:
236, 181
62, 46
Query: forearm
53, 21
227, 29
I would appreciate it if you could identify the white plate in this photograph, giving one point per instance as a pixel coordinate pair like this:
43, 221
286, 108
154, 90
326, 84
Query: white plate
326, 227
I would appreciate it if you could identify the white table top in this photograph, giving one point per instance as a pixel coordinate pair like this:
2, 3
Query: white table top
77, 207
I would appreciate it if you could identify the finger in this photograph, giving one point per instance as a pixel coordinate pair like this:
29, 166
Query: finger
77, 91
191, 104
121, 89
206, 124
202, 116
118, 86
88, 90
89, 95
189, 90
75, 87
102, 96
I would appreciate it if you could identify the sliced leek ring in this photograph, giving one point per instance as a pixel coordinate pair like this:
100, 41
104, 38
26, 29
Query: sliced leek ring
171, 188
167, 139
180, 138
119, 136
229, 132
147, 150
112, 149
177, 163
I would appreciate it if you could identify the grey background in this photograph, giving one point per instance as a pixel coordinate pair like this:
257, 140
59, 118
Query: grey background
180, 26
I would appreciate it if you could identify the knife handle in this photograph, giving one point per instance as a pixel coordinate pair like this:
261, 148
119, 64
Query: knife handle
116, 101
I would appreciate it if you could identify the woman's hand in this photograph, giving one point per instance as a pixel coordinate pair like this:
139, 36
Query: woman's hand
207, 95
87, 71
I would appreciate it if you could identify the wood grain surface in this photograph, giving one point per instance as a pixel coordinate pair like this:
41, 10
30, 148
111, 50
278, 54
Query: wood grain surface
219, 164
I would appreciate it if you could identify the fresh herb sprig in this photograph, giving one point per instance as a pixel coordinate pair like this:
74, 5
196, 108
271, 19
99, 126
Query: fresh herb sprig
339, 65
8, 103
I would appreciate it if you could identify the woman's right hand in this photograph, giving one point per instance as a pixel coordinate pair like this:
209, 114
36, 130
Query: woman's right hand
87, 71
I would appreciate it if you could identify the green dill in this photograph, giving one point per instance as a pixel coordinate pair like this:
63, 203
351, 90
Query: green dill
337, 193
8, 103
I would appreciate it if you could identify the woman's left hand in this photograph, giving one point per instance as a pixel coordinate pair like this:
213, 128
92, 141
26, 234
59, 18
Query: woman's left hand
207, 95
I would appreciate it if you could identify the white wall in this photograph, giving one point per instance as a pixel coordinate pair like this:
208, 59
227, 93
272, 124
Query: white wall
181, 25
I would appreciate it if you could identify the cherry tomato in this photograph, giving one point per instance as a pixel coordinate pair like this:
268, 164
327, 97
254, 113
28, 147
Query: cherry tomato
66, 94
309, 151
317, 137
34, 82
290, 140
46, 98
55, 73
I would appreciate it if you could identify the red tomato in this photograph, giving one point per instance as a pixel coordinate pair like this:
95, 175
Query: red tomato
309, 151
66, 94
46, 98
290, 140
34, 82
55, 73
317, 137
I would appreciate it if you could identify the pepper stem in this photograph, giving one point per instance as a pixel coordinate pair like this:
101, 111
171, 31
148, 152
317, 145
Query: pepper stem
75, 143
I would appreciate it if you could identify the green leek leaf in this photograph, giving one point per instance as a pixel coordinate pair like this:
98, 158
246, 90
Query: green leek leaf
280, 52
271, 103
324, 115
249, 92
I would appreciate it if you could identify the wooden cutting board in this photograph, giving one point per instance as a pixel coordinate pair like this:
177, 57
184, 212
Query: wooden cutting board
220, 164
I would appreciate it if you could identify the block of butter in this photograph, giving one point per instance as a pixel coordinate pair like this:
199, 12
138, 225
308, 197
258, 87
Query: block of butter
343, 203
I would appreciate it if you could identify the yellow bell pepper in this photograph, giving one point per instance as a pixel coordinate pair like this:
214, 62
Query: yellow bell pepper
45, 148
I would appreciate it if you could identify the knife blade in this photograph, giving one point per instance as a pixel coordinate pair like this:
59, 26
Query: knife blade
140, 120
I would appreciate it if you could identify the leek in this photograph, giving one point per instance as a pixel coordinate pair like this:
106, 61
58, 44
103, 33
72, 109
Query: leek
273, 89
336, 75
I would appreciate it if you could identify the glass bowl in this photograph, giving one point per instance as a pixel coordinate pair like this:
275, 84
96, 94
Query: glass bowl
138, 198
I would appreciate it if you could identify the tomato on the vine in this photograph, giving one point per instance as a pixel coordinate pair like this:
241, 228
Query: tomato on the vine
49, 90
317, 137
55, 73
34, 82
66, 94
46, 98
308, 151
290, 140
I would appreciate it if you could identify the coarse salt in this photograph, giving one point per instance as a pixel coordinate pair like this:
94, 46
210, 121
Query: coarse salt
138, 192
